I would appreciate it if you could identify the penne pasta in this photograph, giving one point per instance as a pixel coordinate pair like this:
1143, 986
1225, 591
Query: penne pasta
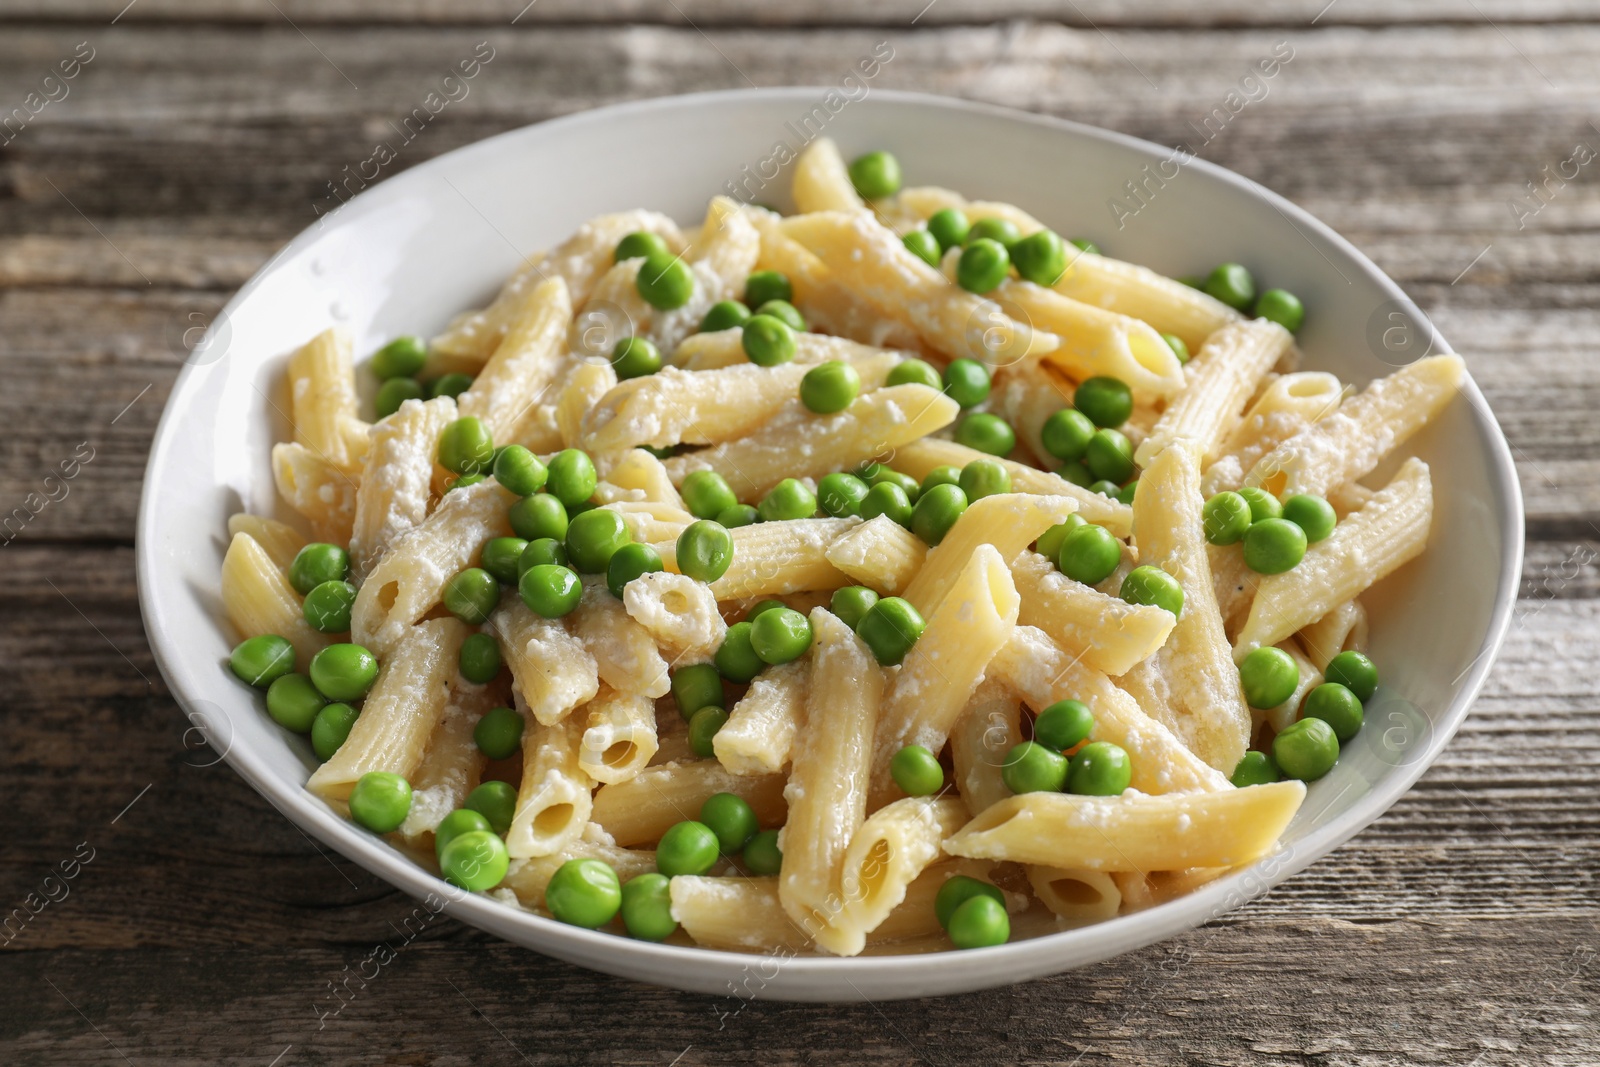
1110, 635
774, 558
620, 738
396, 480
552, 670
1007, 522
880, 554
821, 180
887, 853
280, 541
553, 802
525, 362
762, 725
258, 599
679, 613
641, 809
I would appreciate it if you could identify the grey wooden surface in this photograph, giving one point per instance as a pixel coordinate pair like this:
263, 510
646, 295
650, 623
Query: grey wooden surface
1462, 928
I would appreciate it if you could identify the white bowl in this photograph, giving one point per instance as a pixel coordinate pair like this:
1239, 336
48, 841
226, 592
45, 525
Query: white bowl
405, 255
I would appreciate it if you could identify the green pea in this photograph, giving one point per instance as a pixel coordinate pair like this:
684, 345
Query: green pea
640, 244
466, 447
1032, 768
1282, 307
401, 358
705, 493
916, 771
1263, 505
495, 801
980, 923
1066, 434
1152, 585
647, 907
261, 660
949, 474
1105, 487
1109, 455
629, 562
724, 315
1076, 473
572, 477
736, 660
785, 313
327, 607
732, 819
738, 515
830, 387
780, 636
688, 847
502, 556
1312, 514
851, 603
330, 728
1273, 546
1337, 706
499, 733
889, 628
762, 855
1255, 768
343, 671
767, 341
967, 382
1179, 349
519, 470
451, 385
293, 702
550, 591
584, 893
762, 608
317, 563
1306, 749
539, 517
914, 372
1355, 672
789, 499
1268, 676
479, 660
936, 511
380, 801
949, 227
983, 265
1050, 542
840, 494
543, 551
1089, 554
766, 285
1105, 400
472, 595
985, 477
923, 245
887, 498
1002, 231
665, 281
1226, 518
1040, 257
1126, 494
881, 473
475, 861
986, 433
696, 687
956, 891
593, 538
875, 175
1083, 244
704, 551
458, 822
394, 392
1100, 769
1233, 285
1063, 724
635, 357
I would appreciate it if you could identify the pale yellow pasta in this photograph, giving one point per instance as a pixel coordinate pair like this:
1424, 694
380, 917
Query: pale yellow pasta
1079, 895
1095, 341
637, 476
1132, 832
1233, 583
640, 810
984, 732
721, 349
1344, 628
585, 384
1026, 395
822, 181
452, 763
554, 800
318, 490
322, 395
527, 878
258, 599
648, 521
1288, 405
735, 914
538, 430
1109, 633
624, 653
279, 540
762, 724
524, 363
887, 853
620, 738
774, 558
1008, 522
880, 554
401, 712
551, 669
679, 613
397, 477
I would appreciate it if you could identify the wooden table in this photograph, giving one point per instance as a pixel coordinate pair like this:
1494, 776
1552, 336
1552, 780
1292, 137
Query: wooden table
203, 928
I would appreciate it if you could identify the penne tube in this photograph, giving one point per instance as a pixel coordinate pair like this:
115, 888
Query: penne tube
1233, 583
721, 349
889, 851
551, 669
1026, 395
624, 652
452, 764
1008, 522
553, 802
323, 493
620, 738
774, 558
735, 914
396, 479
1110, 634
880, 554
258, 599
1095, 341
524, 363
1345, 627
761, 728
322, 395
583, 387
984, 732
1290, 404
821, 181
1310, 677
529, 877
641, 809
280, 541
639, 477
679, 613
649, 522
1078, 896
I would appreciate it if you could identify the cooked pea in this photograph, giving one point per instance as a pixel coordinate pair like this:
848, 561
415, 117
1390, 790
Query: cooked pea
789, 499
914, 372
458, 822
261, 660
541, 552
875, 175
1107, 401
1083, 244
1268, 676
293, 702
1100, 769
465, 447
916, 771
736, 660
851, 603
317, 563
539, 517
1312, 514
480, 658
1306, 749
923, 245
705, 493
830, 387
703, 727
785, 313
1263, 505
572, 478
1109, 455
593, 538
343, 671
949, 227
1355, 672
499, 733
629, 562
889, 628
780, 635
495, 801
1063, 724
956, 891
1076, 473
1040, 257
731, 818
380, 801
983, 265
452, 385
327, 607
550, 591
462, 482
1282, 307
1255, 768
840, 494
985, 477
1233, 285
696, 687
1030, 767
766, 285
584, 892
987, 433
635, 357
1050, 542
1002, 231
1152, 585
949, 474
1089, 554
738, 515
1337, 706
476, 861
502, 557
1226, 518
331, 728
762, 855
887, 498
647, 907
394, 392
936, 511
1066, 434
472, 595
401, 358
640, 244
767, 341
1273, 546
665, 281
724, 315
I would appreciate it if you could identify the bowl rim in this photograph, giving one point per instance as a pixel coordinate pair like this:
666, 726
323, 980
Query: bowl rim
986, 967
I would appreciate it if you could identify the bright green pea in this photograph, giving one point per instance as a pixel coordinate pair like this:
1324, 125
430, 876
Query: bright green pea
731, 818
1273, 546
293, 702
706, 493
980, 923
967, 382
851, 603
915, 372
1306, 749
1355, 672
495, 801
401, 358
1089, 554
665, 281
380, 801
956, 891
936, 511
1050, 542
472, 595
687, 847
785, 313
317, 563
466, 447
704, 550
985, 477
1066, 434
737, 516
1063, 724
1337, 706
452, 385
1100, 769
889, 628
984, 264
519, 470
1109, 455
1263, 505
767, 341
923, 245
1226, 518
949, 227
1268, 676
647, 907
1083, 244
1152, 585
780, 636
949, 474
499, 733
343, 671
458, 822
1002, 231
887, 498
394, 392
762, 608
543, 551
1126, 494
572, 479
475, 861
1106, 487
479, 660
1255, 768
789, 499
840, 494
736, 660
550, 591
584, 893
1040, 257
766, 285
327, 607
1179, 349
640, 244
539, 517
875, 175
724, 315
696, 687
762, 855
1076, 473
262, 660
502, 557
593, 538
916, 771
1032, 768
1233, 285
986, 433
1314, 516
881, 473
1282, 307
629, 562
830, 387
1105, 400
